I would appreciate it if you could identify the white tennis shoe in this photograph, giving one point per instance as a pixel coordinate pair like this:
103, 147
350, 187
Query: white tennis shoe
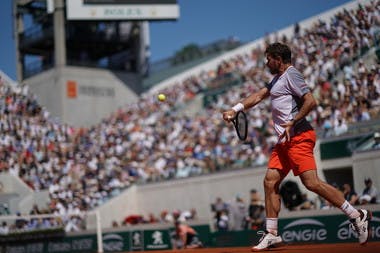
361, 225
267, 240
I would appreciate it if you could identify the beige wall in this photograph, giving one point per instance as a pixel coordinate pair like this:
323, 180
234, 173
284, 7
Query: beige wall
366, 164
98, 94
19, 196
184, 194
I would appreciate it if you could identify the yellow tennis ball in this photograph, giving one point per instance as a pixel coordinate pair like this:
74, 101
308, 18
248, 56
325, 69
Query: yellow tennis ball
161, 97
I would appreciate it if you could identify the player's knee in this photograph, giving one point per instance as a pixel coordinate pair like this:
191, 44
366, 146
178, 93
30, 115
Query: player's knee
269, 183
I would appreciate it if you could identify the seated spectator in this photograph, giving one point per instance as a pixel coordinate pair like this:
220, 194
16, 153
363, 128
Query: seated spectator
20, 223
221, 221
340, 127
369, 193
115, 224
365, 199
188, 214
307, 204
4, 229
350, 195
326, 205
376, 137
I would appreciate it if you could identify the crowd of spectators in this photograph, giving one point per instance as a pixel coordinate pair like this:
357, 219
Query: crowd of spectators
42, 219
150, 141
237, 215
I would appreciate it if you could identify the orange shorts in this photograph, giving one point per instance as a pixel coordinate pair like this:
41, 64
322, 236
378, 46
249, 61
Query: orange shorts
296, 155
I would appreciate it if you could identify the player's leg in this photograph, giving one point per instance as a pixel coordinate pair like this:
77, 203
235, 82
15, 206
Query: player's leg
359, 218
270, 237
313, 183
301, 154
272, 181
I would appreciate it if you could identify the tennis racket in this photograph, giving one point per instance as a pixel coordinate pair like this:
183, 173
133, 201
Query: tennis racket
241, 125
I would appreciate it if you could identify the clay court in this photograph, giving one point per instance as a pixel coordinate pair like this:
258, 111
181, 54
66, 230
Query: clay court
372, 247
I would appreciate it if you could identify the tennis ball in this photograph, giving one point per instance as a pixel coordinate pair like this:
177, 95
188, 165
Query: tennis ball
161, 97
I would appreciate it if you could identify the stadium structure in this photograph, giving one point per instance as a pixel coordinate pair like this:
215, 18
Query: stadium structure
87, 54
341, 159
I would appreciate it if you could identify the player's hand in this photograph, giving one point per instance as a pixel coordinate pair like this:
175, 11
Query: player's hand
229, 115
288, 127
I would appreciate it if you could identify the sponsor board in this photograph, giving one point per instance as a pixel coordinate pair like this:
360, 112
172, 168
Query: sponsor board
114, 242
72, 245
156, 240
326, 229
65, 245
304, 230
345, 233
29, 248
136, 240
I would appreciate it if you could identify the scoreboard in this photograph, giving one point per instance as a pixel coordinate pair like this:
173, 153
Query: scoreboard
122, 9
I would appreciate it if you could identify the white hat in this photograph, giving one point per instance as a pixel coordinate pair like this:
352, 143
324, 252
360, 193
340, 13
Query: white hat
376, 135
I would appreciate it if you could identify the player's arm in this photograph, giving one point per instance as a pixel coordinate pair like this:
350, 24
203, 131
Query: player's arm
308, 104
247, 103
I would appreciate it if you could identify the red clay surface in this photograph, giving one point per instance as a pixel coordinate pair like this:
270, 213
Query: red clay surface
371, 247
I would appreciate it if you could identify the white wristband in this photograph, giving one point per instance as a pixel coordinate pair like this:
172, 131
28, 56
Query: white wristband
238, 107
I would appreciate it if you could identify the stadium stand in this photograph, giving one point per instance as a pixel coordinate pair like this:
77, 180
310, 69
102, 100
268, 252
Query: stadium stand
149, 141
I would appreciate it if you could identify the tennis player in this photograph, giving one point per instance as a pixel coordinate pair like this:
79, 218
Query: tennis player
291, 101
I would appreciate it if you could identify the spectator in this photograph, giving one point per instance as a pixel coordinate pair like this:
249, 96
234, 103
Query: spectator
350, 195
326, 205
376, 138
219, 205
256, 211
365, 200
238, 214
4, 229
221, 221
20, 222
369, 193
340, 127
115, 224
307, 204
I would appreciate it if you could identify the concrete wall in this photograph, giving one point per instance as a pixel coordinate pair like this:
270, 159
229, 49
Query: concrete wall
366, 164
184, 194
117, 208
46, 86
80, 96
19, 196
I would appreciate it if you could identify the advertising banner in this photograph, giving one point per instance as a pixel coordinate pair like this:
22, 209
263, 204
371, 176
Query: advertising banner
157, 239
136, 240
116, 242
324, 229
315, 229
